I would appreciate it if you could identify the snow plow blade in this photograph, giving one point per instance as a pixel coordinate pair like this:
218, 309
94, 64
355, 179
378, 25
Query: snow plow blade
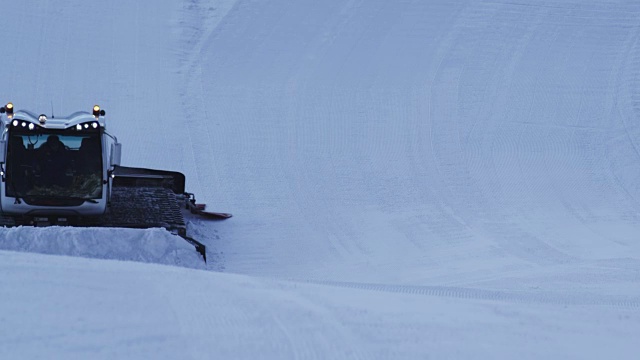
199, 209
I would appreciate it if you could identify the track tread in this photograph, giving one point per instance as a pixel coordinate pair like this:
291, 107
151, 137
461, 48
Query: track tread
144, 207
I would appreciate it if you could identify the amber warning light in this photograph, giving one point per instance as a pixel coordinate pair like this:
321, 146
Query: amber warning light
7, 109
97, 112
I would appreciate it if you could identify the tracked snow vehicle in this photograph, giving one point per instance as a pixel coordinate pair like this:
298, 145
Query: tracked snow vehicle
66, 171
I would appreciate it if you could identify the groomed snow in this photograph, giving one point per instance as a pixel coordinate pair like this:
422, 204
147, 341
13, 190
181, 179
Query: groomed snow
414, 179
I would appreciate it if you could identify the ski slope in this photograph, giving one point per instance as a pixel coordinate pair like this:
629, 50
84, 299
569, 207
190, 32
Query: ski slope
409, 179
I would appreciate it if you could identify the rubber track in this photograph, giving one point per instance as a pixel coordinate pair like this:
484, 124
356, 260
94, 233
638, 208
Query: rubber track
7, 221
135, 207
144, 207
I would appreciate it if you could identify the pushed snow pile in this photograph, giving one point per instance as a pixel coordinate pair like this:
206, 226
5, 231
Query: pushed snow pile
148, 245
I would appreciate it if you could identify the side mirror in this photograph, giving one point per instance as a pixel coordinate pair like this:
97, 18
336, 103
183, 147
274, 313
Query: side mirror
3, 151
116, 154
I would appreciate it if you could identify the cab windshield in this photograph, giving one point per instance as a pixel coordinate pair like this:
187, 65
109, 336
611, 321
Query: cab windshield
54, 165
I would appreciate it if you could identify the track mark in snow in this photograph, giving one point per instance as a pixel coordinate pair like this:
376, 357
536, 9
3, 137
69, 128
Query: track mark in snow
491, 295
464, 133
198, 22
281, 324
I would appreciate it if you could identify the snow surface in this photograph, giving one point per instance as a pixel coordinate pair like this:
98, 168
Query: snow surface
409, 179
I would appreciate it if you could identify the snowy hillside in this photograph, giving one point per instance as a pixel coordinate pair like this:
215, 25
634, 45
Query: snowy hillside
409, 179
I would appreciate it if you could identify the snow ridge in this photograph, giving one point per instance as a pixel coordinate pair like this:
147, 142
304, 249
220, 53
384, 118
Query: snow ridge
147, 246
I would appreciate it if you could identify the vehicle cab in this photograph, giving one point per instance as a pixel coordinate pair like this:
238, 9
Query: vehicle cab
55, 166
